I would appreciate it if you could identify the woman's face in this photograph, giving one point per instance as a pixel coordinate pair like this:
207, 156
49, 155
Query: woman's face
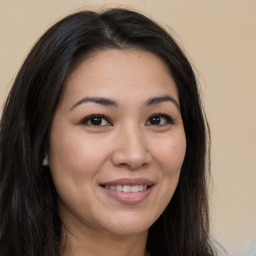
117, 142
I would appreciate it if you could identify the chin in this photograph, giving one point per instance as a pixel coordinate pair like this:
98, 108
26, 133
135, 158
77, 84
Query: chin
127, 225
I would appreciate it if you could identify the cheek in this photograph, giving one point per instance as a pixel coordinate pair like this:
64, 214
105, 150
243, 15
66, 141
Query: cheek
170, 153
74, 166
76, 154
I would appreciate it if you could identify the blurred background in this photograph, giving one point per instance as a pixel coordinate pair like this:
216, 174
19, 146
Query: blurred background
219, 38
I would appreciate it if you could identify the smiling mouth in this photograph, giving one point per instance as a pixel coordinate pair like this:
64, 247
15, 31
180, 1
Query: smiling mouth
128, 191
127, 188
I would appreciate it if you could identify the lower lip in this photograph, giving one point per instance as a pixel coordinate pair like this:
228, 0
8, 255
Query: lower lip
128, 198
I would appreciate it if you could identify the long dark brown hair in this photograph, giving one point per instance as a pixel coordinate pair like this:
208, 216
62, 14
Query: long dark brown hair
29, 221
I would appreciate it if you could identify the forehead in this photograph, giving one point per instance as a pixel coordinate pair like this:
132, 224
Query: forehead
120, 74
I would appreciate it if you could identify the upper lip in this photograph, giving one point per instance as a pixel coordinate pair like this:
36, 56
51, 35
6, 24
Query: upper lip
129, 182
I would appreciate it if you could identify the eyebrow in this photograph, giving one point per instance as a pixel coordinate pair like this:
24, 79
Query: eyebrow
164, 98
112, 103
98, 100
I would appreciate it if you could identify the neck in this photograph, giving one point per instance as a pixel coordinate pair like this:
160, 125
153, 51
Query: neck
93, 243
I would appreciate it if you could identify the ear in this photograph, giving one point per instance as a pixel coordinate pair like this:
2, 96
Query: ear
45, 161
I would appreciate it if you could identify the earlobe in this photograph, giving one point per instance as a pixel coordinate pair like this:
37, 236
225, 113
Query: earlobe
45, 161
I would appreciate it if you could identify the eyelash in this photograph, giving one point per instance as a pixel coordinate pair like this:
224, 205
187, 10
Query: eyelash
86, 120
169, 119
90, 117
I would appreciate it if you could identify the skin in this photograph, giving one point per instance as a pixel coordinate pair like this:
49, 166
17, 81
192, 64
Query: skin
129, 143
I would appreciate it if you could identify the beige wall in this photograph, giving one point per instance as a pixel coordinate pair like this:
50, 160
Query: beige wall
220, 39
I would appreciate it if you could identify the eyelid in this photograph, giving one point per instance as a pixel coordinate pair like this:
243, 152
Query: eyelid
87, 118
169, 119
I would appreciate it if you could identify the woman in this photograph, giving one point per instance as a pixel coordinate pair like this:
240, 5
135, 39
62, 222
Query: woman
103, 144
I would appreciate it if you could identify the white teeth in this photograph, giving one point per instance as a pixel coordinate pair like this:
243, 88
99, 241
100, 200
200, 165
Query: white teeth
119, 188
135, 188
127, 188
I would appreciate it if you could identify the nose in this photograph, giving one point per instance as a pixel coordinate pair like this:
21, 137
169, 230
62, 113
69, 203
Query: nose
130, 149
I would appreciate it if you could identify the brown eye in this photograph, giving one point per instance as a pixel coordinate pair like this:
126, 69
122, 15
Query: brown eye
160, 119
96, 120
156, 120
